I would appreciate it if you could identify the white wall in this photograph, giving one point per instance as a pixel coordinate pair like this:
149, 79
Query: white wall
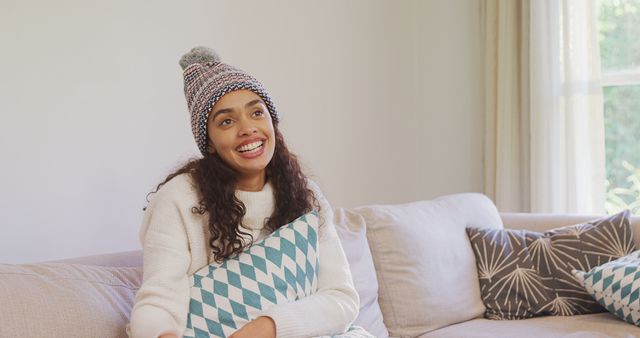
380, 99
447, 100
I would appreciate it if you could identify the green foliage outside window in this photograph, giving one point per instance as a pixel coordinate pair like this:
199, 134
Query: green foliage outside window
619, 37
619, 29
627, 196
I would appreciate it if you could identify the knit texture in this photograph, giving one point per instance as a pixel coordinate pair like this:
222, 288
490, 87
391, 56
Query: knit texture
206, 80
175, 243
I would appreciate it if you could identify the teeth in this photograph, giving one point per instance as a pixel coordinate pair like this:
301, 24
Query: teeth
250, 146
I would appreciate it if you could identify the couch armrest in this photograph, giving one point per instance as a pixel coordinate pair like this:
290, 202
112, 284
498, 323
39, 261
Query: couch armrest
122, 259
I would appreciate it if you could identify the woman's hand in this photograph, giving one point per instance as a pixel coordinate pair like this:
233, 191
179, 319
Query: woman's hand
261, 327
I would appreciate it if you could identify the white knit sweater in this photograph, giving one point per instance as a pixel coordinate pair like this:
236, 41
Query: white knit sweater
175, 245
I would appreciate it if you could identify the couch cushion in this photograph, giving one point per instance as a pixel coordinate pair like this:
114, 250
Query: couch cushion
599, 325
616, 286
525, 273
353, 236
66, 300
425, 267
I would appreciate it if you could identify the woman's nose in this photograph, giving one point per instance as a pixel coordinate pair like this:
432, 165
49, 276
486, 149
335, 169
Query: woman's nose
248, 129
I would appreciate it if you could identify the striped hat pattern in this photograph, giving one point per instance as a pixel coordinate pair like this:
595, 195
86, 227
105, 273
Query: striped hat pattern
206, 80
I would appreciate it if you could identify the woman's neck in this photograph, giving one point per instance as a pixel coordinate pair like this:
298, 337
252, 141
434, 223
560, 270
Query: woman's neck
255, 183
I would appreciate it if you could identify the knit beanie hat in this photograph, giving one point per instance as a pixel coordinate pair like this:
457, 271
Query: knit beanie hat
206, 80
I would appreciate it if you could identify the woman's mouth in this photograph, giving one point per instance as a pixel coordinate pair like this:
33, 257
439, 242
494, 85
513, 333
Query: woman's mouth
252, 149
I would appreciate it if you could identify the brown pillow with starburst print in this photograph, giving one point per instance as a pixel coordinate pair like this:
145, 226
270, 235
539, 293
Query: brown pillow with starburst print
526, 274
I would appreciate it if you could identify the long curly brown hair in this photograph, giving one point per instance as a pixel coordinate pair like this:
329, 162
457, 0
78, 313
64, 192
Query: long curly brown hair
216, 182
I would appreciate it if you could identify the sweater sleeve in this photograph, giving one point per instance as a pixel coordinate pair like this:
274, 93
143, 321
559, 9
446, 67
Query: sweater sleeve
335, 304
162, 302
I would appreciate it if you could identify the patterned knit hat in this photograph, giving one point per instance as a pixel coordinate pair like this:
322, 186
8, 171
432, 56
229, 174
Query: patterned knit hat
206, 80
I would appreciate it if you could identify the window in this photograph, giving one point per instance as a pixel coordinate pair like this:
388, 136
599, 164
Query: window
619, 39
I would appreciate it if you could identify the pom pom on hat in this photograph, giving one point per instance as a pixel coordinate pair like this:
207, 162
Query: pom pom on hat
199, 55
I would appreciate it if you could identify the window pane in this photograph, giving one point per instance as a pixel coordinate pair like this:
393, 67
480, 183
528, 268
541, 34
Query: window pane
619, 31
622, 137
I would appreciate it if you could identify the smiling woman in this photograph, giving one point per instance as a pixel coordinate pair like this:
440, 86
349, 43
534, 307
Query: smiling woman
241, 133
222, 210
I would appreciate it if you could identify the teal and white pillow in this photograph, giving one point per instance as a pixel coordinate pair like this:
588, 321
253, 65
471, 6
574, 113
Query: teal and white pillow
616, 286
282, 267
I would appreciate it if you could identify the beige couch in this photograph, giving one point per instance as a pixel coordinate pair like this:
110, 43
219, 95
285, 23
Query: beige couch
412, 265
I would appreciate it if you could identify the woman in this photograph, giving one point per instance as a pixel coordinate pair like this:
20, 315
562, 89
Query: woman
246, 186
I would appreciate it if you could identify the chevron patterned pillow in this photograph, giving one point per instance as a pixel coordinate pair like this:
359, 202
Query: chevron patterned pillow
282, 267
616, 286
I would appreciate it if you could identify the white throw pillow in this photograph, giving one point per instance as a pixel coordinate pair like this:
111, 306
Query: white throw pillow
352, 232
424, 263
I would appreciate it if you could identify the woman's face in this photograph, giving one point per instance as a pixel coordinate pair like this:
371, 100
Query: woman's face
240, 130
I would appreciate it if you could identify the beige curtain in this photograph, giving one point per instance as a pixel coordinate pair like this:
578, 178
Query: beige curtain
544, 145
505, 29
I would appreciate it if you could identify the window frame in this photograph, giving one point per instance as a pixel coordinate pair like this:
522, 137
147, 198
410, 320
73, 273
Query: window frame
621, 78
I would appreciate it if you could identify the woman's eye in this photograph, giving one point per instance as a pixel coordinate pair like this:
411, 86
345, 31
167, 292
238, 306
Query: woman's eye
225, 122
258, 113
